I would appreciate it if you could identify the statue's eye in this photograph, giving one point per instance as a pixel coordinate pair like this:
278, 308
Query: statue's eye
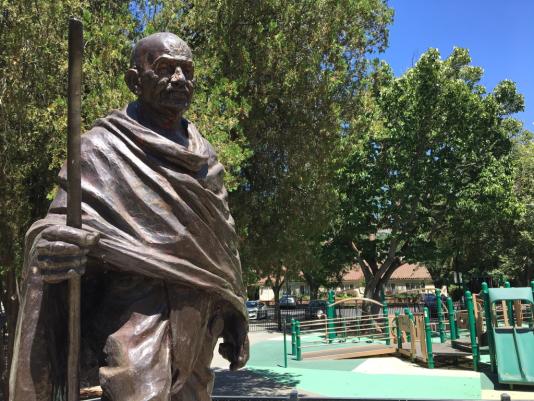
187, 72
164, 68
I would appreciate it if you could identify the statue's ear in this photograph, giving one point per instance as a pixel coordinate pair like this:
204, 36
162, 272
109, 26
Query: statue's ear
132, 80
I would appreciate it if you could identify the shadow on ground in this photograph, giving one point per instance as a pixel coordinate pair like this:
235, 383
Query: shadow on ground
258, 382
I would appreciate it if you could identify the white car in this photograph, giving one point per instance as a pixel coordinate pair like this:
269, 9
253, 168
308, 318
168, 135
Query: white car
256, 310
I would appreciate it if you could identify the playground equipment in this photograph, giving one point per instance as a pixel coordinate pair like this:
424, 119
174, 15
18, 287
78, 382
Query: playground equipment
343, 337
463, 339
511, 338
414, 340
498, 321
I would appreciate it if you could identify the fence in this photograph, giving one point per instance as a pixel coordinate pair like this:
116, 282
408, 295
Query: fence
267, 320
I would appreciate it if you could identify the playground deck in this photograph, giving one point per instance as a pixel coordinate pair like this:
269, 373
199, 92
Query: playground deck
464, 344
444, 350
360, 351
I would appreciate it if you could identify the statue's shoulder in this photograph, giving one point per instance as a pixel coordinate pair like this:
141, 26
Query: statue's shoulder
101, 134
195, 133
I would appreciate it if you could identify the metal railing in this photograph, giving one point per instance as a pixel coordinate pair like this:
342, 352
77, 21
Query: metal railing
267, 319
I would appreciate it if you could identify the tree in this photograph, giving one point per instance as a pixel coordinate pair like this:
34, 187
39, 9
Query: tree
430, 148
295, 65
517, 258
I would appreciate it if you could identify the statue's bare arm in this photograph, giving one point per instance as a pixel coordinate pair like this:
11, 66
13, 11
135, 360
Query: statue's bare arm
58, 249
235, 347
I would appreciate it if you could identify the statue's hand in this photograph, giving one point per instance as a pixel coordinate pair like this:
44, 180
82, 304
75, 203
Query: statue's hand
59, 249
235, 347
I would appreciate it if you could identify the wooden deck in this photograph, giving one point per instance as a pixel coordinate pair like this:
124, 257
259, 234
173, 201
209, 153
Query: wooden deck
444, 350
465, 345
360, 351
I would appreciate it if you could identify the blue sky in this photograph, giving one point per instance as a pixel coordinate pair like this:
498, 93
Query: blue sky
498, 33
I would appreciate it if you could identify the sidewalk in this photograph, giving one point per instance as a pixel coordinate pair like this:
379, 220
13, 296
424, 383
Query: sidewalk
386, 377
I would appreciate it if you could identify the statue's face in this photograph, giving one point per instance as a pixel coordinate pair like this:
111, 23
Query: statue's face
166, 76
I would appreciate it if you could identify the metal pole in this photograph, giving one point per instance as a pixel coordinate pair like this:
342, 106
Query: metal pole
441, 323
408, 313
428, 334
452, 318
399, 333
299, 349
293, 338
489, 328
285, 345
472, 328
509, 304
330, 315
74, 199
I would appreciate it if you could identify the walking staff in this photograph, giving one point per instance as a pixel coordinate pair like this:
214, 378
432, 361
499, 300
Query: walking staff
74, 199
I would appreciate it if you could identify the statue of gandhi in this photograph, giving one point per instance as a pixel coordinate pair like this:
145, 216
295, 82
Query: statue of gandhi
158, 253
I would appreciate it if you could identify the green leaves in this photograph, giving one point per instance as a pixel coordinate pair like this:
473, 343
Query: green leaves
288, 63
509, 100
430, 162
33, 105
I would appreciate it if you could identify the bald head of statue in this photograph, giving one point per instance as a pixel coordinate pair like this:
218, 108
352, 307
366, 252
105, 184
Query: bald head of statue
161, 74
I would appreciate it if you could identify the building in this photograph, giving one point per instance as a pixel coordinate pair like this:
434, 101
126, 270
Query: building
407, 277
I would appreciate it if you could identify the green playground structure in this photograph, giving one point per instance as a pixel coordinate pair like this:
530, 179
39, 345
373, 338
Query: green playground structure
498, 322
511, 339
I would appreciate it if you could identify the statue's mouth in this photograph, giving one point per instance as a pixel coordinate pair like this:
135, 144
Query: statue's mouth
178, 94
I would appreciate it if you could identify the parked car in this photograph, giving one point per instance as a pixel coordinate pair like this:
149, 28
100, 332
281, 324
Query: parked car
430, 301
316, 309
287, 301
256, 310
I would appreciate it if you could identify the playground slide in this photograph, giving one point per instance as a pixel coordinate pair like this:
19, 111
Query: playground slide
514, 348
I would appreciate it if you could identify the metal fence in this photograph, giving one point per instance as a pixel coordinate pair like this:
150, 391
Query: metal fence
268, 321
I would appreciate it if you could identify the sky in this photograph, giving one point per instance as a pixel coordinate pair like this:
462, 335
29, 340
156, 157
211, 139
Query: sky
498, 33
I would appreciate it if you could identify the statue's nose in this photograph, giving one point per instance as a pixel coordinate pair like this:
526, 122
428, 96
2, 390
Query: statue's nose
178, 75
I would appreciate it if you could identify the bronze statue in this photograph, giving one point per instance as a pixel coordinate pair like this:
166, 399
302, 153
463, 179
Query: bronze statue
158, 252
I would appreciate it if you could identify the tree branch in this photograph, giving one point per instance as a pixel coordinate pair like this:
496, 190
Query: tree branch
366, 269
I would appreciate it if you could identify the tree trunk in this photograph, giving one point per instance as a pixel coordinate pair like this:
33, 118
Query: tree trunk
277, 286
375, 285
4, 374
314, 292
10, 301
528, 275
372, 291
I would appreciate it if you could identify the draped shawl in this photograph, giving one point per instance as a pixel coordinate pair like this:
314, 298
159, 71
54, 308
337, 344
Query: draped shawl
161, 210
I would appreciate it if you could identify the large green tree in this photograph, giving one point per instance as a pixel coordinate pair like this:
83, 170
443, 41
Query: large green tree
429, 154
517, 259
297, 65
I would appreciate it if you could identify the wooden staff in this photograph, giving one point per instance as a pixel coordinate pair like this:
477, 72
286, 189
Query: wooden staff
74, 199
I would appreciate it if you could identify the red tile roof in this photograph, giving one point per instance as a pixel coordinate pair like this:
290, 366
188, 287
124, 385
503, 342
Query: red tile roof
406, 271
411, 272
